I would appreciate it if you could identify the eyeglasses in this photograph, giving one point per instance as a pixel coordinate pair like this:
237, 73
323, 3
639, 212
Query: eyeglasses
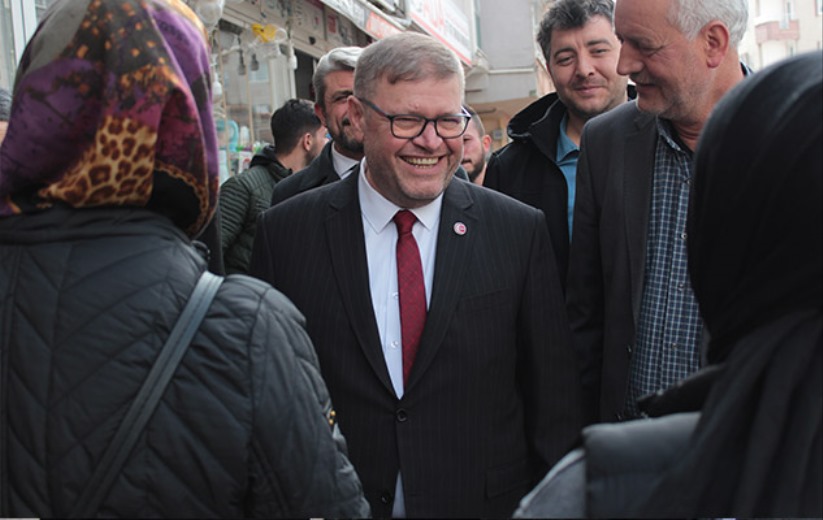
409, 126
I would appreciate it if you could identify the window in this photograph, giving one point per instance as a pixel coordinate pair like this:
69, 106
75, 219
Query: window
40, 7
18, 21
788, 14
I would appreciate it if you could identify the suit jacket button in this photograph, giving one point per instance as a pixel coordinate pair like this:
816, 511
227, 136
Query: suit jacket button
386, 497
401, 415
619, 416
629, 349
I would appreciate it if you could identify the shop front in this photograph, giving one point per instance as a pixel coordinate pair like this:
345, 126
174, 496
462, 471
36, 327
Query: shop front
264, 53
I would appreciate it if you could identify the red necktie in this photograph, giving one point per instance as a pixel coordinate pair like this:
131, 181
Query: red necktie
412, 288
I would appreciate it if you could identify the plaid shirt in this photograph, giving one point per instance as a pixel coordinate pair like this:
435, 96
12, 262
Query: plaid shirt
669, 327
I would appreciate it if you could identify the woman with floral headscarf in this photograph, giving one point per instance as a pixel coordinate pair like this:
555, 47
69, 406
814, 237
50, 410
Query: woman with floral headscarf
108, 168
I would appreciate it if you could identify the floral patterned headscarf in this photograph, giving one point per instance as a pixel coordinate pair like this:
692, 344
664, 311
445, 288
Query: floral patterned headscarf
111, 107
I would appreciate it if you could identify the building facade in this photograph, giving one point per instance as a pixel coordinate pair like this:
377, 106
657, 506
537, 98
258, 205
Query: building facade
779, 29
264, 51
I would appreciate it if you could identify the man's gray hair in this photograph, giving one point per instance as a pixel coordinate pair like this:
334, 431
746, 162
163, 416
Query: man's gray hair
407, 56
689, 16
5, 104
336, 60
563, 15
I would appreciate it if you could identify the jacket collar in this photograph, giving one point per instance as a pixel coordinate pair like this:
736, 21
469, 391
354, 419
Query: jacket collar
540, 122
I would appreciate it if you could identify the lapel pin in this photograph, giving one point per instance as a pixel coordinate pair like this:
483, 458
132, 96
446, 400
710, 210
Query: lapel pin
460, 228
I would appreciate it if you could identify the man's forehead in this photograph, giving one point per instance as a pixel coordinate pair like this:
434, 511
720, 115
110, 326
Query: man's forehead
598, 27
340, 79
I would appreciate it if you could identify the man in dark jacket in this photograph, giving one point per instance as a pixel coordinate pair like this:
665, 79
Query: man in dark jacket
538, 167
299, 136
444, 343
333, 82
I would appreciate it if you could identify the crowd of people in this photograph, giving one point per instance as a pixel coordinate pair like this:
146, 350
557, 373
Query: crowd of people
617, 314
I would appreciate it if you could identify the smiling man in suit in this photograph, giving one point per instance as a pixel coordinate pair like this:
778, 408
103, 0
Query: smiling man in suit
434, 304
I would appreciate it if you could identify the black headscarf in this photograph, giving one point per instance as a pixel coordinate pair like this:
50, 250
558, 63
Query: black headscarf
755, 240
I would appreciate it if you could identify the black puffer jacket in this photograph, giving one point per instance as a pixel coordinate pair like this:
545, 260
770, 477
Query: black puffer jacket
87, 298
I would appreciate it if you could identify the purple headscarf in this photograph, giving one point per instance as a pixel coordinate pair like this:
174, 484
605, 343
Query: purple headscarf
112, 107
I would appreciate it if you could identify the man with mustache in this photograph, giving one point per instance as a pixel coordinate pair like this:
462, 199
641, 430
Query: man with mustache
634, 317
333, 82
538, 167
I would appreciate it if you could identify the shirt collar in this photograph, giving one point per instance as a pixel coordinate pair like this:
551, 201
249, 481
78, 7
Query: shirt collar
565, 146
341, 163
379, 211
664, 128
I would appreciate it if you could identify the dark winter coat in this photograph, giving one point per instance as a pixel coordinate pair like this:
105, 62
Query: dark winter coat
242, 198
87, 298
527, 169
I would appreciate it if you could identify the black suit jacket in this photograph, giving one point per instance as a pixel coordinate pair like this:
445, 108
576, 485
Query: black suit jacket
608, 254
493, 397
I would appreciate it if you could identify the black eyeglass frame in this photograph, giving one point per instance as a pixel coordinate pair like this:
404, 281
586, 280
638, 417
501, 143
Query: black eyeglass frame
391, 117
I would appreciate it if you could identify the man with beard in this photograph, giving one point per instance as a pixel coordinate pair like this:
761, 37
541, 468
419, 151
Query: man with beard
539, 166
633, 313
333, 82
299, 137
476, 148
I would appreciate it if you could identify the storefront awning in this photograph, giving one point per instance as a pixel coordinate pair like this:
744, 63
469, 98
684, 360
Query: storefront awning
366, 17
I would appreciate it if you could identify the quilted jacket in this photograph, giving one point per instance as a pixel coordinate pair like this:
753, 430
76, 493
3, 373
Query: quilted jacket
87, 298
242, 199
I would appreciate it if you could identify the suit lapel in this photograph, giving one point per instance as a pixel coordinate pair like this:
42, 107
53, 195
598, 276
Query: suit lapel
637, 178
453, 249
347, 248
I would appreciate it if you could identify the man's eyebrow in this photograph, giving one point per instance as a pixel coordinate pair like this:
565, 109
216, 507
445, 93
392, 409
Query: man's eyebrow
599, 41
562, 50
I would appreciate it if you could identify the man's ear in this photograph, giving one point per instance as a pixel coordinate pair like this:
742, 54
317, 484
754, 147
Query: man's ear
319, 113
715, 37
356, 113
486, 141
307, 140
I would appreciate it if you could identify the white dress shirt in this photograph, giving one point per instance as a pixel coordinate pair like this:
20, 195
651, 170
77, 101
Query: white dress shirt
381, 243
342, 164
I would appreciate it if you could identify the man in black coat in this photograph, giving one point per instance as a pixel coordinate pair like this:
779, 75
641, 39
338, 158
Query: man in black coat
333, 84
539, 166
636, 325
463, 420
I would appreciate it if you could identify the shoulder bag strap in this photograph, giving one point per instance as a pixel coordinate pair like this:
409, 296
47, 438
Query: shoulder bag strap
143, 406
